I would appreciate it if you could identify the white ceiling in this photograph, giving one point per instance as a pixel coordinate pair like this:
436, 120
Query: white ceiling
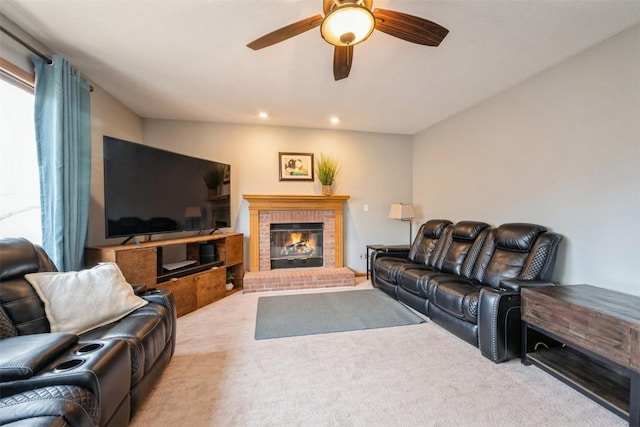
188, 60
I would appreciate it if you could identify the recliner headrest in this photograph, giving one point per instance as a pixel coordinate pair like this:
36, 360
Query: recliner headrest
434, 227
468, 230
518, 236
17, 257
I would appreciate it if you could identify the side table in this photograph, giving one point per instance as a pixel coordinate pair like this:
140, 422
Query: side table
601, 332
384, 248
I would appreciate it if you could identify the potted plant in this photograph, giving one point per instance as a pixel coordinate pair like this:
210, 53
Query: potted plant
214, 177
326, 170
230, 276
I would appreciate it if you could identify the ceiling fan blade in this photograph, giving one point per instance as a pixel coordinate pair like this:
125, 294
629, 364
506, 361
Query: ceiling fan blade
410, 28
342, 60
287, 32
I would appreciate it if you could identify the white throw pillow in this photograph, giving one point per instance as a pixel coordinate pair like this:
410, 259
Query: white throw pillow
79, 301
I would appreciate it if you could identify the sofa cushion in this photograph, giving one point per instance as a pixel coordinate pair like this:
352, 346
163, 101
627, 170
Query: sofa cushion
468, 230
510, 252
417, 280
459, 298
463, 249
410, 279
388, 268
518, 236
23, 306
18, 257
79, 301
504, 265
423, 249
19, 301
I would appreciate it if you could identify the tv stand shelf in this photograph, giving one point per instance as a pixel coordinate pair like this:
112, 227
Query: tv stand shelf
185, 271
193, 286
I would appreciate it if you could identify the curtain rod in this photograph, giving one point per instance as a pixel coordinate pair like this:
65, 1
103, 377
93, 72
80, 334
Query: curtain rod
49, 61
45, 58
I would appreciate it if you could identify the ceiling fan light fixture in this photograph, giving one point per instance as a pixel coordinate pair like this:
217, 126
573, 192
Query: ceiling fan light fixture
347, 25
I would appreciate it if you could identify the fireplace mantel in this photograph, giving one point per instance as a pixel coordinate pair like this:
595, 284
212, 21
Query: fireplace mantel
278, 202
287, 202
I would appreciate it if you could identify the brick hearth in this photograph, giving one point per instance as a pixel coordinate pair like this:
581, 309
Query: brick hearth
297, 278
267, 209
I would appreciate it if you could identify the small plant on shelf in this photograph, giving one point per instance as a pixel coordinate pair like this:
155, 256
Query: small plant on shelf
326, 170
230, 276
214, 177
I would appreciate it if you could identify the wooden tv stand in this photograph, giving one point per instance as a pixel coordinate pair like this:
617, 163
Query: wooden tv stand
193, 286
601, 332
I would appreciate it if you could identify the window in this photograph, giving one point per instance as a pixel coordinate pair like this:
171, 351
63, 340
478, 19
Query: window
19, 176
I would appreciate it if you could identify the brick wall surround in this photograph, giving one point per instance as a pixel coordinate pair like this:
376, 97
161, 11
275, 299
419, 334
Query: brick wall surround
267, 209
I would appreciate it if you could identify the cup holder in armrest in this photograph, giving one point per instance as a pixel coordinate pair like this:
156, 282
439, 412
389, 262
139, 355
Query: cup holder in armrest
88, 348
69, 364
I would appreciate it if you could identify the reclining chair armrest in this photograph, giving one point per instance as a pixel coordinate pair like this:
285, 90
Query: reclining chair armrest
393, 254
396, 248
105, 372
499, 329
499, 325
139, 289
23, 356
160, 296
402, 254
165, 297
516, 284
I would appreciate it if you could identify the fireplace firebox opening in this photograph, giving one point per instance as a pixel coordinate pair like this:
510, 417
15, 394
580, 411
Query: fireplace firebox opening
295, 245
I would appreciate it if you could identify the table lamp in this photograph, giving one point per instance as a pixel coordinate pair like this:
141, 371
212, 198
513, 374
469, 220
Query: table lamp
403, 212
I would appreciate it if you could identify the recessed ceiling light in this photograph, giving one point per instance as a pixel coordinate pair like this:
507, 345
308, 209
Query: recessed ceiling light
263, 115
335, 120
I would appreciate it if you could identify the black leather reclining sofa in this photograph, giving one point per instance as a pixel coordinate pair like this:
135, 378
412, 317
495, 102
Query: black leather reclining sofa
60, 379
467, 277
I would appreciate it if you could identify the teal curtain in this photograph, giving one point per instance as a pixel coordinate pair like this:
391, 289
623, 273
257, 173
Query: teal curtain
63, 138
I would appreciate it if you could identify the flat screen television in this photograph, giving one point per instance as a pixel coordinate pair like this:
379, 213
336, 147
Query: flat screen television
148, 191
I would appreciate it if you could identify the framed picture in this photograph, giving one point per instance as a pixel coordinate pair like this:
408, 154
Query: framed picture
227, 174
296, 166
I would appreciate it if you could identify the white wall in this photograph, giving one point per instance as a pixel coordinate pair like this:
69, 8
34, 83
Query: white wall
561, 149
375, 170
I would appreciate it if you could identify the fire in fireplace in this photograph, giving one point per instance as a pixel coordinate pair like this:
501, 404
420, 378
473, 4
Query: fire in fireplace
296, 245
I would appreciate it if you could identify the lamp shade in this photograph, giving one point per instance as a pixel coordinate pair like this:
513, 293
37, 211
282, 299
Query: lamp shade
347, 24
401, 211
192, 212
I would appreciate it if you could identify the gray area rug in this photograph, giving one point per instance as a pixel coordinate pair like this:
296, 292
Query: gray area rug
319, 313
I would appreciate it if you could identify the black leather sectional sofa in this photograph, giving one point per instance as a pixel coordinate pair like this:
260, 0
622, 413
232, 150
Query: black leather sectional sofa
467, 277
98, 378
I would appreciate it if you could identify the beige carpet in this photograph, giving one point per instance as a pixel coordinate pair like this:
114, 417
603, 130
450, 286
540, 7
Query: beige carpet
417, 375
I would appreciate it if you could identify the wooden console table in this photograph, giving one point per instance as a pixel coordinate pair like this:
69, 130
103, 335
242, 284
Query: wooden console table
601, 332
193, 286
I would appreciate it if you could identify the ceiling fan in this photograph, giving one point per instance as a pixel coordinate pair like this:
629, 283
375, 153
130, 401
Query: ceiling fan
349, 22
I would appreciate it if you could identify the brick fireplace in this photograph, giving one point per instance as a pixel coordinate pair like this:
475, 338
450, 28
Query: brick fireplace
265, 210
